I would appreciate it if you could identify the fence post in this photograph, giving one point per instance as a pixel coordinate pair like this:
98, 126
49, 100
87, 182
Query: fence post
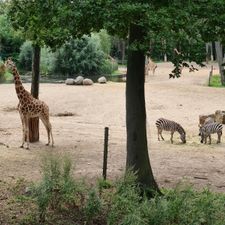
105, 154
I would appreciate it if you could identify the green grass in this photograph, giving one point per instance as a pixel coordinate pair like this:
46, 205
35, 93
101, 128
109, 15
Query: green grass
215, 81
60, 199
8, 76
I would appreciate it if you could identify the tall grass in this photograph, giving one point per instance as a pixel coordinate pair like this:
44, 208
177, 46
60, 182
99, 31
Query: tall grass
61, 199
215, 81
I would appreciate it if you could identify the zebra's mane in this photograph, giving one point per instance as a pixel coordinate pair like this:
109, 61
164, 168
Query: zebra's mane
181, 129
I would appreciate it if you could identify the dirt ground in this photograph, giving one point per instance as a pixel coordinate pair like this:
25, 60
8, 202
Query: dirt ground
95, 107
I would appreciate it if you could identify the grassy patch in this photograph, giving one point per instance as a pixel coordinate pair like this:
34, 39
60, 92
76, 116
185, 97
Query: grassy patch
215, 81
60, 199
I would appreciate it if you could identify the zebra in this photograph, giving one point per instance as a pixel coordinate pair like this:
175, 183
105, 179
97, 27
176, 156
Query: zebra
168, 125
210, 128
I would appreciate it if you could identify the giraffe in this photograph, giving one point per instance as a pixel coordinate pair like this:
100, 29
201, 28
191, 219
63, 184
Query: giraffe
150, 66
29, 106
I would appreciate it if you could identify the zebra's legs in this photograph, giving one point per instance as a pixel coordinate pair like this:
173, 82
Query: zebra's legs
219, 137
210, 139
171, 138
160, 134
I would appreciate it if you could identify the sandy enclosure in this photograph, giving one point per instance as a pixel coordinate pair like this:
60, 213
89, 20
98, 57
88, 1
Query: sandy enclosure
100, 105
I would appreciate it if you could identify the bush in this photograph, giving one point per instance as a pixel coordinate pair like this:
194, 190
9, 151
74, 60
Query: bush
62, 200
108, 67
25, 56
57, 188
47, 61
83, 56
215, 81
93, 205
80, 56
2, 71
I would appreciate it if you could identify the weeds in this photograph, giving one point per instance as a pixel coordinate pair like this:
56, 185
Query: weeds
215, 81
60, 199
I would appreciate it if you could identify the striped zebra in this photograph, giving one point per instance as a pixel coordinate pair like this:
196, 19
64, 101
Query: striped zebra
206, 130
168, 125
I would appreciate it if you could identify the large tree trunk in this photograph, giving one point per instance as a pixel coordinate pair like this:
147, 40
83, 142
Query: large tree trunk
219, 56
137, 150
34, 122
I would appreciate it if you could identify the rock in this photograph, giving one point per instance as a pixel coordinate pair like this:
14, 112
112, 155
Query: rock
102, 80
79, 80
69, 81
87, 81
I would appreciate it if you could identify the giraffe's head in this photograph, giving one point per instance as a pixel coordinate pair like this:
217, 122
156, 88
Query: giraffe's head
9, 64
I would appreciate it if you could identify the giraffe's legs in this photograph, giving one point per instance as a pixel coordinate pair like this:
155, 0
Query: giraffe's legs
26, 122
23, 125
48, 127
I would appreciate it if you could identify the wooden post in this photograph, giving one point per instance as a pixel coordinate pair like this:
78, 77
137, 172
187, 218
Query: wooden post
105, 154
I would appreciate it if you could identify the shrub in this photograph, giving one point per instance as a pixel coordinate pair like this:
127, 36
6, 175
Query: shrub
84, 56
57, 187
93, 205
215, 81
25, 56
2, 71
47, 61
80, 56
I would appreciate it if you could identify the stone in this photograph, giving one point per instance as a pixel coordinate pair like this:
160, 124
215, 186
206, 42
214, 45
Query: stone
69, 81
79, 80
87, 81
102, 80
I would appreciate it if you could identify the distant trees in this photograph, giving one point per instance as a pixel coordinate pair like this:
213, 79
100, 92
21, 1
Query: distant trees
88, 56
10, 41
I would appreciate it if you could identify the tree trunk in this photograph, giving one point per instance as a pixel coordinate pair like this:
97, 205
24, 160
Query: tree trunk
123, 51
219, 57
137, 150
34, 122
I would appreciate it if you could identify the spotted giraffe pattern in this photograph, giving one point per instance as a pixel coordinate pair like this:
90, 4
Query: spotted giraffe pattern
29, 107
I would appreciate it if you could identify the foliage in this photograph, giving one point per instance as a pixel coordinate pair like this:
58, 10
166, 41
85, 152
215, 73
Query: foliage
82, 56
2, 71
215, 81
63, 200
105, 41
47, 61
10, 41
25, 56
42, 22
57, 186
93, 205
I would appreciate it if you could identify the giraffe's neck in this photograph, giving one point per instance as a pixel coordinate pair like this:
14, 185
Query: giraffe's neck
20, 90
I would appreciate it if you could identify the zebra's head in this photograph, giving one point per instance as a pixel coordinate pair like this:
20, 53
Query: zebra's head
183, 137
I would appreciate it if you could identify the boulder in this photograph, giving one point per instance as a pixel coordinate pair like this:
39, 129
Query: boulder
87, 81
79, 80
102, 80
69, 81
